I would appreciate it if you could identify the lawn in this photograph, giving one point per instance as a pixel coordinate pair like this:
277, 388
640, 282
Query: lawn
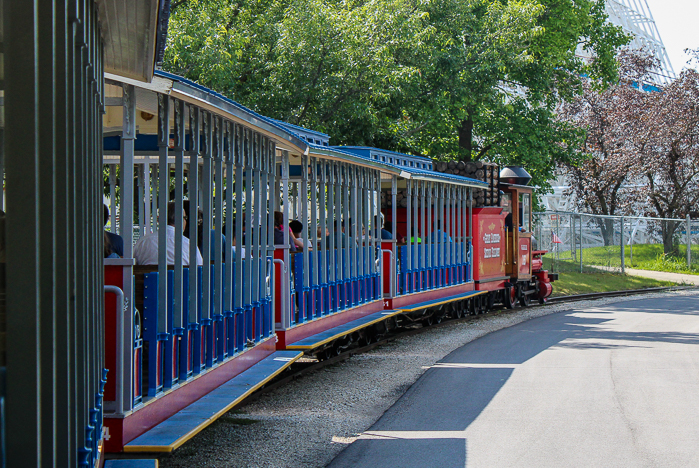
581, 283
571, 281
642, 256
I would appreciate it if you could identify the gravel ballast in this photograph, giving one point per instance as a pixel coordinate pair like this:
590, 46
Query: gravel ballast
308, 421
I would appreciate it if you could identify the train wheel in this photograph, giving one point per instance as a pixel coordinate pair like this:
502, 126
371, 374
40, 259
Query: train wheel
510, 296
490, 301
525, 300
426, 322
459, 310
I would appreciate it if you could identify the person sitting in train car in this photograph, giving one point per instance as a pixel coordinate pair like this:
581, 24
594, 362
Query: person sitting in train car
439, 235
146, 250
233, 244
116, 243
339, 239
107, 247
279, 232
319, 235
297, 227
200, 231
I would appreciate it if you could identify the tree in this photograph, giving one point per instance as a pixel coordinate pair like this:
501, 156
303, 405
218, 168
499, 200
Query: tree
443, 78
599, 180
666, 139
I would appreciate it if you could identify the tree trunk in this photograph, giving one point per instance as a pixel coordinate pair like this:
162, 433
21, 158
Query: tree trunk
466, 138
607, 227
668, 231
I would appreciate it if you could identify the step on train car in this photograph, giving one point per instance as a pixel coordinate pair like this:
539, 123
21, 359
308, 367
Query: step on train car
230, 297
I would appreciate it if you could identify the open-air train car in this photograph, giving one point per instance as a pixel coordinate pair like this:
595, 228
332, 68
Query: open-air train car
183, 331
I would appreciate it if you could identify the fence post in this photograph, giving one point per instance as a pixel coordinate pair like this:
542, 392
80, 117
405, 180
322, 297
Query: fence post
622, 245
689, 242
580, 224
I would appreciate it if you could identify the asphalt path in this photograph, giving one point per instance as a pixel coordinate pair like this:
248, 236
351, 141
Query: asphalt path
611, 386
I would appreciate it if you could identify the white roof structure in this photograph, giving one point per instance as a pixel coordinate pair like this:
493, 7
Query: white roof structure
636, 18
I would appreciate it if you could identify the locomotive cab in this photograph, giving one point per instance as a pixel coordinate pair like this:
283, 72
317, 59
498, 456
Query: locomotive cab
523, 263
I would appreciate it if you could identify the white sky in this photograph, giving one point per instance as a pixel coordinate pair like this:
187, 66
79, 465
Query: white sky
677, 22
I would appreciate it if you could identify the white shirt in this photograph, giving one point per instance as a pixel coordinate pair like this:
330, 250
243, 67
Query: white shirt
242, 251
304, 243
146, 250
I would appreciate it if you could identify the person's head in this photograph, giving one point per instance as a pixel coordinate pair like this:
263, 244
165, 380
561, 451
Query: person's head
296, 227
106, 214
171, 215
107, 245
278, 219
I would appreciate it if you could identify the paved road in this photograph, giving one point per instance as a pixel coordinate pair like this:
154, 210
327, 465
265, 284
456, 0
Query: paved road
614, 386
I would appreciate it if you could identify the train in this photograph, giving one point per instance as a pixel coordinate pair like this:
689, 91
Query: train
186, 340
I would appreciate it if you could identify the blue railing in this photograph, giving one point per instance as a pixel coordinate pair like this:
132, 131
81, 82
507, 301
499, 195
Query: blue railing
178, 354
428, 270
340, 291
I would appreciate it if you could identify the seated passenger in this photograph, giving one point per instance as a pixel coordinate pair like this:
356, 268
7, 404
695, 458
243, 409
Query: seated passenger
116, 243
279, 232
439, 235
200, 231
233, 244
146, 250
297, 227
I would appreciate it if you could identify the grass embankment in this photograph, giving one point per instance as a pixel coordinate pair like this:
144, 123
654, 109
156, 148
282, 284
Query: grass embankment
581, 283
573, 282
643, 257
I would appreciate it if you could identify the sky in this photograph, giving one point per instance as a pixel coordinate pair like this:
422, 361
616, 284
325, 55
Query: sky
677, 24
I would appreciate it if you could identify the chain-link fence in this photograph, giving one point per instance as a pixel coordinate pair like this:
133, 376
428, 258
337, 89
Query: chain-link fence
589, 243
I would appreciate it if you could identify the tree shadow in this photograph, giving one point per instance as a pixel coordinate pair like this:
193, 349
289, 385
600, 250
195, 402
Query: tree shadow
423, 425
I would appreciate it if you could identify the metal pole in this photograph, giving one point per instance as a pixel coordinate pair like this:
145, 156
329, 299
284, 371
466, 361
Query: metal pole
580, 224
689, 242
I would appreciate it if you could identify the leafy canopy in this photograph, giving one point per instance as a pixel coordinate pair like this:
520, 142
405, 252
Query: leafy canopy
466, 79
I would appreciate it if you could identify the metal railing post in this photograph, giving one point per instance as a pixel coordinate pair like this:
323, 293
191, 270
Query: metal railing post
689, 242
621, 240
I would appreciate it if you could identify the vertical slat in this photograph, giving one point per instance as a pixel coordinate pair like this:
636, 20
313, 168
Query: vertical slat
179, 134
217, 194
240, 220
205, 194
411, 228
193, 189
229, 158
321, 244
303, 196
310, 232
163, 191
346, 192
66, 427
256, 254
249, 228
332, 245
423, 235
286, 314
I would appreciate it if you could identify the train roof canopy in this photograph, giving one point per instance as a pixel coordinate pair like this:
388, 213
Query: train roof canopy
134, 33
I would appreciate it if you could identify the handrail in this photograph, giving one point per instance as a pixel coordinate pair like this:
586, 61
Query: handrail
285, 294
392, 292
119, 345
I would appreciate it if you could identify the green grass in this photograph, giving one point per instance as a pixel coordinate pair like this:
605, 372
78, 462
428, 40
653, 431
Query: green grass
642, 256
582, 283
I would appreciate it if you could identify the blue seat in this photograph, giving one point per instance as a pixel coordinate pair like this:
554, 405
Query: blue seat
319, 339
185, 424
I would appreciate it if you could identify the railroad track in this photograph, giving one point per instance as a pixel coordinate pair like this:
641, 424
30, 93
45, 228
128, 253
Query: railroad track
305, 366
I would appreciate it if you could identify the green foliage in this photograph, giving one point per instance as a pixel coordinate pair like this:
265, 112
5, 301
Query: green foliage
583, 283
641, 256
466, 79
